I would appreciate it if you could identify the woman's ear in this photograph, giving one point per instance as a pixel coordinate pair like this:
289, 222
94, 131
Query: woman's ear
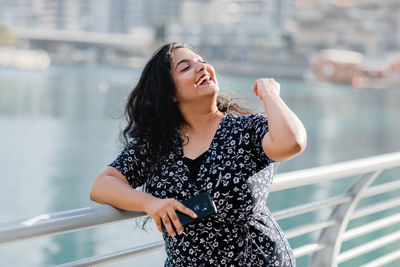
174, 99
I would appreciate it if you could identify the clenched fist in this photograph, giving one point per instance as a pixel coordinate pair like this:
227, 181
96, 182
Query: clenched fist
265, 86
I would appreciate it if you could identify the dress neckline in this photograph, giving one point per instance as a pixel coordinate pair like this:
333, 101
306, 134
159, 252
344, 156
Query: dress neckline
211, 144
192, 160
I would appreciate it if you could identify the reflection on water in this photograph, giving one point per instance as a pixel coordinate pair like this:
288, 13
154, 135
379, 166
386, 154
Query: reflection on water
59, 129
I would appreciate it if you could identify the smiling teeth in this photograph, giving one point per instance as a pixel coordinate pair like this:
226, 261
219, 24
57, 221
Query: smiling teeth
206, 77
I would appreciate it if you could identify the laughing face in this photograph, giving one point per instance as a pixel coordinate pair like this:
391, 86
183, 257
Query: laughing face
194, 79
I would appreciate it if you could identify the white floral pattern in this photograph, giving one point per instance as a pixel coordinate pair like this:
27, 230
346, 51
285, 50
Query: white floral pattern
238, 175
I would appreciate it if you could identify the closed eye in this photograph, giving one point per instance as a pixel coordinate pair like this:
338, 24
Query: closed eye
188, 67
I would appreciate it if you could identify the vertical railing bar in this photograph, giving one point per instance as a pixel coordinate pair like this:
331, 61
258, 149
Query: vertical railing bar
333, 235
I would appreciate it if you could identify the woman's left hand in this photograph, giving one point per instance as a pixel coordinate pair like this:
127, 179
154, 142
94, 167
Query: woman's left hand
263, 87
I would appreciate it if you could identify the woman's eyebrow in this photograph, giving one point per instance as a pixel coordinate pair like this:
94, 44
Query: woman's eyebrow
182, 61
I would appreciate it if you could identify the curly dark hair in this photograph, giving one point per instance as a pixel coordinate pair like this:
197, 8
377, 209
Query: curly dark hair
151, 111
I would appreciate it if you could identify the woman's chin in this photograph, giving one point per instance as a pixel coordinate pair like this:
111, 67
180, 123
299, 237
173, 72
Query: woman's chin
211, 89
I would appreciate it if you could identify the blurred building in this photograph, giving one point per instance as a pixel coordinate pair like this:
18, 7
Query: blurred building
275, 34
229, 28
252, 32
113, 16
371, 27
143, 21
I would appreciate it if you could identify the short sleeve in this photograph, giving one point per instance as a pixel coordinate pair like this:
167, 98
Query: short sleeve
133, 163
257, 126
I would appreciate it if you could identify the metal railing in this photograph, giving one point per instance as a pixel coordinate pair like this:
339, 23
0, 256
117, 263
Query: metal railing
325, 250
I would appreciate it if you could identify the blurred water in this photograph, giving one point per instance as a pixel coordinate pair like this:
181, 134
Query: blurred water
59, 128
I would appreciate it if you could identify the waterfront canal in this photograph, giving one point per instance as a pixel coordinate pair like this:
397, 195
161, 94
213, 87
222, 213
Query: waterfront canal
59, 128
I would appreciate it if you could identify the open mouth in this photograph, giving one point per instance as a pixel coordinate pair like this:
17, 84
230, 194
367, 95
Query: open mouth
203, 80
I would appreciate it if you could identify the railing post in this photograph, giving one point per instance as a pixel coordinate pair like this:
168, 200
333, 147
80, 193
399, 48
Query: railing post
332, 236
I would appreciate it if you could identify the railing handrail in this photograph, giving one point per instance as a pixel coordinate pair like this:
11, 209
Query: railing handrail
334, 171
333, 228
63, 222
72, 220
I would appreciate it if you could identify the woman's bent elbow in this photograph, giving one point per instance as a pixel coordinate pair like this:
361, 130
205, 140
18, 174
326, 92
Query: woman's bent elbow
295, 146
299, 143
94, 196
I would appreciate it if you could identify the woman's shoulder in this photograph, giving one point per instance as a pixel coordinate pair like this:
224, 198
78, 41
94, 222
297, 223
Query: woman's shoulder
247, 122
249, 118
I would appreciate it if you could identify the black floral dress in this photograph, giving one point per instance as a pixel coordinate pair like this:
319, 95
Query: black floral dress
238, 175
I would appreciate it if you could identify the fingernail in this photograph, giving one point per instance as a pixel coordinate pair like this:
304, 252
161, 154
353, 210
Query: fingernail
195, 215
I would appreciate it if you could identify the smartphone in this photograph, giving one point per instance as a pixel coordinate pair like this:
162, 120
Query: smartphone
202, 205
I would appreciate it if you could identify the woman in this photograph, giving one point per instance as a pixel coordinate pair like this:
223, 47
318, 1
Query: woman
183, 144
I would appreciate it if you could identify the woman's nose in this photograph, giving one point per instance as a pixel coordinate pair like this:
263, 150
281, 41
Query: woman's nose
201, 67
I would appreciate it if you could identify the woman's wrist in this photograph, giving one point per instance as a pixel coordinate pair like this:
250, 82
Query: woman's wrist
148, 202
269, 95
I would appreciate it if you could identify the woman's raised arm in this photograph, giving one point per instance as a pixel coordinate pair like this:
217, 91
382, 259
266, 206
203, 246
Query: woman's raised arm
286, 135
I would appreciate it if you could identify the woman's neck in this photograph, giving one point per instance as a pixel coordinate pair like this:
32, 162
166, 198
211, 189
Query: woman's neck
198, 118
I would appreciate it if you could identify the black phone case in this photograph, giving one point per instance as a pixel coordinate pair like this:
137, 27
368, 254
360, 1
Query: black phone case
201, 204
